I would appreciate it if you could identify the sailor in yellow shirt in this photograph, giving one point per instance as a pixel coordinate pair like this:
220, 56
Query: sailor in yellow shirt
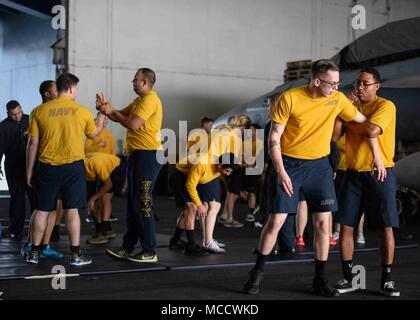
363, 191
104, 142
301, 131
143, 119
197, 190
57, 130
100, 179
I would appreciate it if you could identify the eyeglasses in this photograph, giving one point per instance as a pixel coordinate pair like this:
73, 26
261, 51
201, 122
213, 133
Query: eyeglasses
363, 84
331, 84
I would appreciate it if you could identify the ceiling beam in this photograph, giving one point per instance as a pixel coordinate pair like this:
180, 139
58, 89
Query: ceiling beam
23, 9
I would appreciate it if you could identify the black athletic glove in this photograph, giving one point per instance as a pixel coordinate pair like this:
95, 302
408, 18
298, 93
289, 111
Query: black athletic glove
334, 156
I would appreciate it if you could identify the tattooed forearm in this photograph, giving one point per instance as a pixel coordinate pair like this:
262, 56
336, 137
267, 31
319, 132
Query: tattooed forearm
274, 128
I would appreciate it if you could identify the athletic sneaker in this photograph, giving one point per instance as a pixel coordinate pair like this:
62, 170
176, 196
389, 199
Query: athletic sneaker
221, 219
258, 224
332, 241
89, 218
213, 247
321, 288
32, 258
49, 253
97, 238
336, 235
343, 286
252, 285
113, 219
388, 289
110, 234
299, 241
360, 239
26, 250
195, 251
144, 257
250, 218
233, 224
220, 244
120, 253
77, 259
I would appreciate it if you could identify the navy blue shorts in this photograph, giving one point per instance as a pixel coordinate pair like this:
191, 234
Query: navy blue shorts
114, 181
312, 180
91, 188
69, 179
362, 192
239, 181
207, 192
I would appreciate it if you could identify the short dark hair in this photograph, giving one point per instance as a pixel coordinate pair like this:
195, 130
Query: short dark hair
206, 120
375, 73
321, 67
228, 161
45, 86
149, 75
12, 104
65, 81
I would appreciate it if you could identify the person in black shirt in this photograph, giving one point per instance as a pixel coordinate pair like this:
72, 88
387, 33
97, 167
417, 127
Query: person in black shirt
13, 146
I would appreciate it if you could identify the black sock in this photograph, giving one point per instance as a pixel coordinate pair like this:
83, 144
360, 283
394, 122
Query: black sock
347, 266
190, 237
386, 273
98, 227
106, 226
320, 269
75, 249
35, 248
43, 246
177, 234
261, 259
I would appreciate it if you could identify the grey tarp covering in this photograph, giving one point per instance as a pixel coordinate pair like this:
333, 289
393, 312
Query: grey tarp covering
392, 42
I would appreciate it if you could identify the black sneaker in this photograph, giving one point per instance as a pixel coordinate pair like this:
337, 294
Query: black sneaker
343, 286
113, 219
196, 251
388, 289
252, 286
121, 253
177, 244
321, 288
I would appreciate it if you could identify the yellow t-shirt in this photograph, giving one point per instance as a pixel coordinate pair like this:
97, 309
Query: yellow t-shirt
105, 136
342, 155
100, 165
309, 121
226, 141
147, 137
61, 125
359, 157
197, 174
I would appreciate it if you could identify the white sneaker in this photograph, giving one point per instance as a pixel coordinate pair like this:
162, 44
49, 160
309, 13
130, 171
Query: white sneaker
220, 244
258, 224
250, 217
214, 248
336, 235
360, 239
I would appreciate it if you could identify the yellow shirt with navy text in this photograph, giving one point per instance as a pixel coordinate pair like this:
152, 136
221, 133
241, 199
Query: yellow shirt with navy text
147, 137
309, 121
359, 157
197, 174
61, 125
99, 166
106, 136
